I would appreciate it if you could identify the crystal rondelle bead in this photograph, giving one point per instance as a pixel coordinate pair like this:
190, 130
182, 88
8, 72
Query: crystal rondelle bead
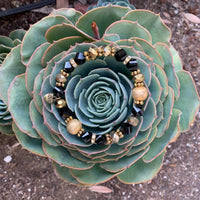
132, 64
79, 59
100, 139
58, 92
68, 68
86, 136
120, 55
126, 128
137, 111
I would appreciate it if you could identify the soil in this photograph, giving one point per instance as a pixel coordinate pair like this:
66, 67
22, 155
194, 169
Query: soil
29, 176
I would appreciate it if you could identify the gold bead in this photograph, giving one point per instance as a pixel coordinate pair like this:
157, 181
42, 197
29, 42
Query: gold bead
58, 84
138, 78
139, 93
85, 53
74, 126
61, 78
93, 138
49, 98
87, 58
141, 102
60, 103
73, 63
135, 84
127, 59
113, 49
115, 138
93, 52
135, 73
133, 121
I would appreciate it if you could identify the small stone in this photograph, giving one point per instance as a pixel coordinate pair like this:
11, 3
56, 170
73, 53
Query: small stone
86, 136
79, 59
60, 103
107, 50
7, 159
58, 92
49, 98
132, 65
126, 128
100, 140
60, 78
68, 68
74, 126
137, 112
133, 121
120, 55
115, 138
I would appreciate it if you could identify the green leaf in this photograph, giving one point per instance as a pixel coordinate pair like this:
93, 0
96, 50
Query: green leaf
34, 66
95, 175
122, 163
62, 156
102, 16
70, 13
153, 23
159, 144
59, 46
10, 68
6, 41
127, 29
18, 106
32, 144
17, 34
61, 31
173, 81
188, 102
35, 36
6, 129
140, 171
176, 59
64, 173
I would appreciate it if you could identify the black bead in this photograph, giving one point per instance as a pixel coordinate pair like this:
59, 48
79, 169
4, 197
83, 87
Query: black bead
100, 139
126, 128
65, 112
137, 111
59, 92
120, 55
86, 136
132, 64
79, 59
68, 68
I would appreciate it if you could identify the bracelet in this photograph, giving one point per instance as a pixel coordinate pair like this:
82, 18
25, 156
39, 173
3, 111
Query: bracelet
73, 125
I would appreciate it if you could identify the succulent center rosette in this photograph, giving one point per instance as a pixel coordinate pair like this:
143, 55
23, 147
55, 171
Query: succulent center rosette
68, 94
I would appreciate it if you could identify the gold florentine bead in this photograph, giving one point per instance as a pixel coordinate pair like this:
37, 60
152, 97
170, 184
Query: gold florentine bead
49, 98
133, 121
74, 126
138, 78
60, 103
113, 49
139, 93
93, 53
61, 78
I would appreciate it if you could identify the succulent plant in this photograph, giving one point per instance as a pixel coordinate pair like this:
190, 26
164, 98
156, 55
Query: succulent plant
6, 44
101, 94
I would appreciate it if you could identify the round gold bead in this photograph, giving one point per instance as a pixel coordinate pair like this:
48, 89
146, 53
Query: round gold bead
141, 102
133, 121
85, 53
49, 98
138, 78
60, 103
61, 78
135, 84
139, 93
74, 126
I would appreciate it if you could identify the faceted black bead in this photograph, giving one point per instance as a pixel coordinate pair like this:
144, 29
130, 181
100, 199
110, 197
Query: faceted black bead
120, 55
126, 128
137, 111
100, 139
68, 67
132, 64
65, 112
59, 92
79, 59
86, 136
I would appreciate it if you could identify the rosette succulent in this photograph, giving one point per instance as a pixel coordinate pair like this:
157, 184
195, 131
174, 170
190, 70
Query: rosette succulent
101, 94
6, 44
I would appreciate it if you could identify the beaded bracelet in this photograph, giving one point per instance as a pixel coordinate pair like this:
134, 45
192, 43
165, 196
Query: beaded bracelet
139, 94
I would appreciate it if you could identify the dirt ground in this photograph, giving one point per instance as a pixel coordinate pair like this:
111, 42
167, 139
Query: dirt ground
28, 176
